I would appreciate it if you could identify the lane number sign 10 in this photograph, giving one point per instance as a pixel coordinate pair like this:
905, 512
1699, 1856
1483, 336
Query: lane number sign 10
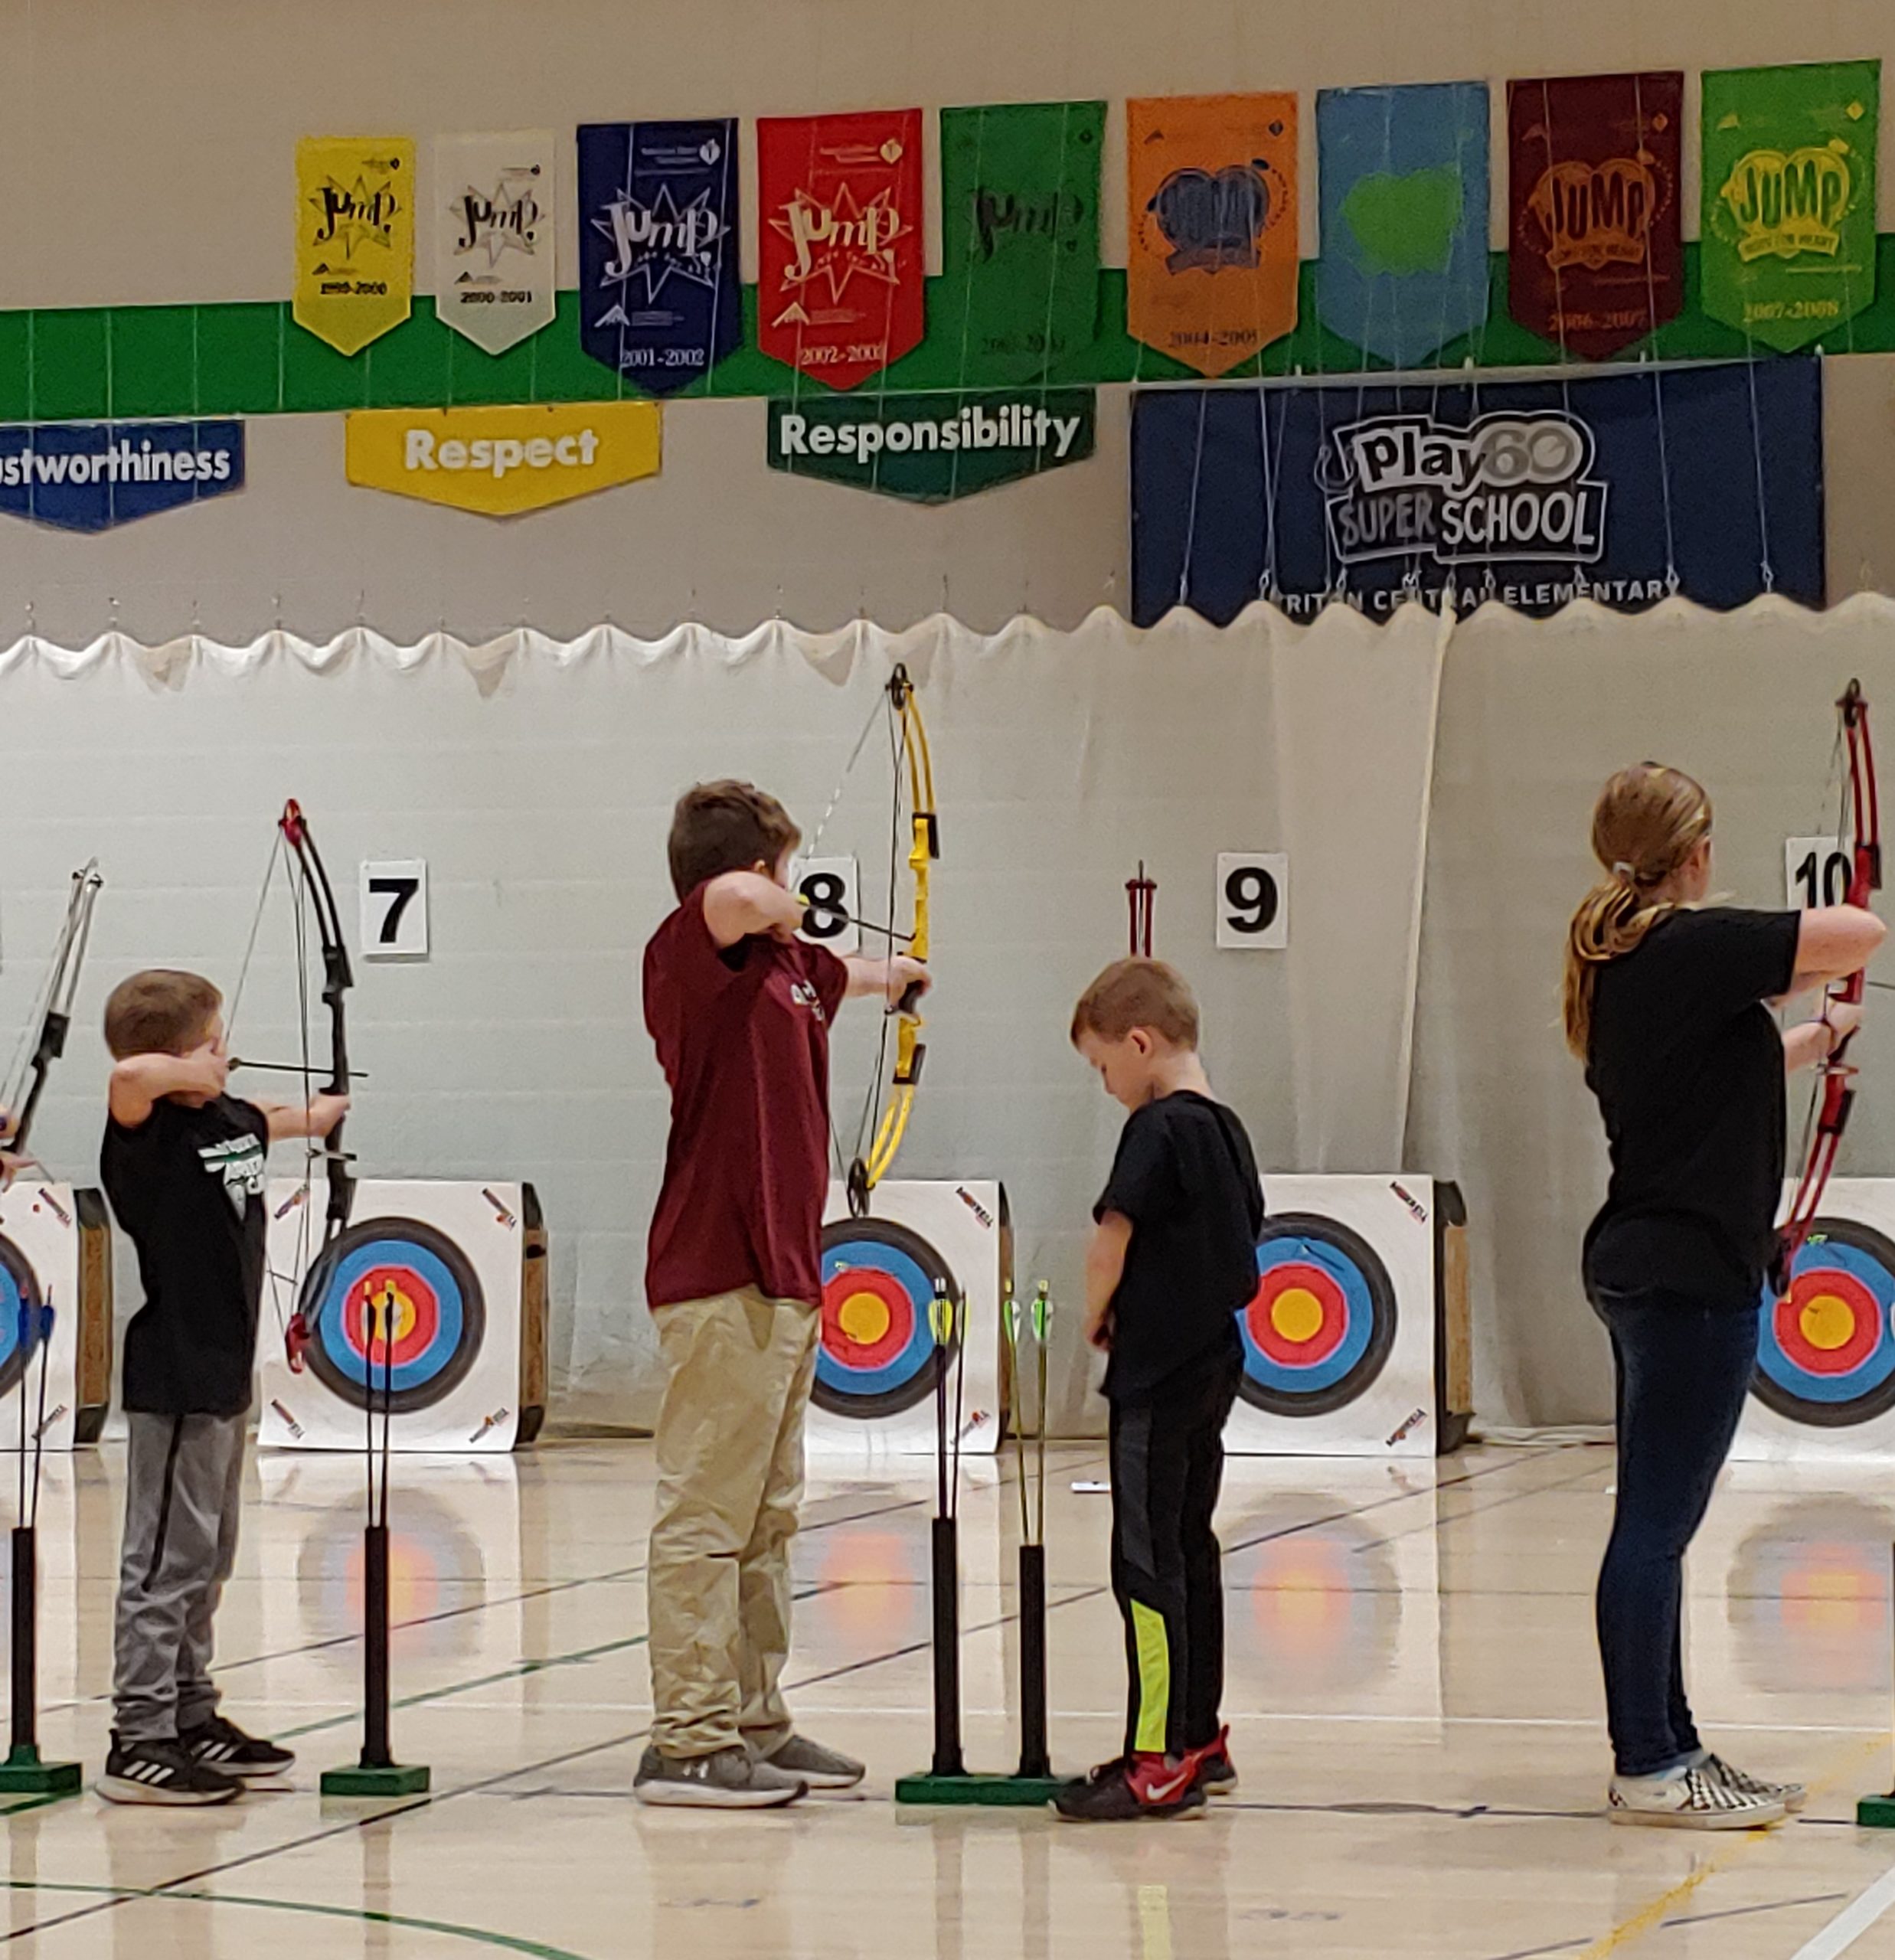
1253, 900
395, 910
1815, 871
829, 881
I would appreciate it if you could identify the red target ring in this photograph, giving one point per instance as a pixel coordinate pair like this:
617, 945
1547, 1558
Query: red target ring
867, 1318
1830, 1324
391, 1296
1299, 1316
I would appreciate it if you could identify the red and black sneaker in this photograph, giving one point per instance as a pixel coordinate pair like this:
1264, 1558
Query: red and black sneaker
1216, 1774
1132, 1787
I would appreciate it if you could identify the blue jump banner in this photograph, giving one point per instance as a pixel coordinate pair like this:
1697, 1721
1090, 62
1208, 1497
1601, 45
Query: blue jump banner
1620, 489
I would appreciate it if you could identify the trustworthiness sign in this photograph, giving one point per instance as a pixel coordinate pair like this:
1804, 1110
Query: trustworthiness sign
930, 449
92, 476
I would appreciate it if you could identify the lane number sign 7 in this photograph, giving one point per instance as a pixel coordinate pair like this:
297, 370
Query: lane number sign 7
394, 914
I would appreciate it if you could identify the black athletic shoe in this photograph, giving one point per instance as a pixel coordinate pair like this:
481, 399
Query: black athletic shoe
1216, 1774
1133, 1787
162, 1773
220, 1745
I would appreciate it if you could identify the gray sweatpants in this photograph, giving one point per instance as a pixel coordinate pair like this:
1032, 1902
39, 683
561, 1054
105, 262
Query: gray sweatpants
183, 1480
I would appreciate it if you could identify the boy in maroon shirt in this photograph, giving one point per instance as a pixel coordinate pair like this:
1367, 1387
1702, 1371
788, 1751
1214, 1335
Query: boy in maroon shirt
739, 1008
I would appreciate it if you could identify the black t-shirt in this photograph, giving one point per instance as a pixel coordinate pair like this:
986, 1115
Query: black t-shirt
1687, 1064
187, 1186
1185, 1177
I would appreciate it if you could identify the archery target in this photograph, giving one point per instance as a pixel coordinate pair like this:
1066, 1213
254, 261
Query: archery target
1824, 1384
39, 1266
877, 1363
397, 1314
1339, 1338
425, 1282
877, 1354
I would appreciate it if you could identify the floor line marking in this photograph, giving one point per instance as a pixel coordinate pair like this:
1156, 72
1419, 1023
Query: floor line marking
1852, 1922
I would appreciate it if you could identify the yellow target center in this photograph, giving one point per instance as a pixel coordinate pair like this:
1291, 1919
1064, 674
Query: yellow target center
1296, 1314
389, 1314
1827, 1321
863, 1318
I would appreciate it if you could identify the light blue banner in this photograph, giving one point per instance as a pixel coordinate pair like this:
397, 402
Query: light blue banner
1403, 184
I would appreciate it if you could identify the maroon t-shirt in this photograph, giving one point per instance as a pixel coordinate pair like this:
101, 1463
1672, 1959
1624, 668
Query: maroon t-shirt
743, 1036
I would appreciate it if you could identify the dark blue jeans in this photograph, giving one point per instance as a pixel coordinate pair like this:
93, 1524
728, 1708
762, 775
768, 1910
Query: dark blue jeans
1684, 1369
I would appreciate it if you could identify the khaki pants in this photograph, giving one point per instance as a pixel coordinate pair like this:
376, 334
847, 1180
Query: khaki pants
729, 1478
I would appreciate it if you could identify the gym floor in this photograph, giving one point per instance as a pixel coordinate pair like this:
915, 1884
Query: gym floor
1414, 1693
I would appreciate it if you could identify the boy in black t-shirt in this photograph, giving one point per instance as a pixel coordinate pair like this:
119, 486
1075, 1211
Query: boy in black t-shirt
1172, 1261
183, 1164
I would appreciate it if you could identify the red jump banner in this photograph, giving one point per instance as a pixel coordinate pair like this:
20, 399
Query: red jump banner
839, 286
1597, 257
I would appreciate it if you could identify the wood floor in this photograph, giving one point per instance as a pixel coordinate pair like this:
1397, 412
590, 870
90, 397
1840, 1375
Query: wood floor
1414, 1693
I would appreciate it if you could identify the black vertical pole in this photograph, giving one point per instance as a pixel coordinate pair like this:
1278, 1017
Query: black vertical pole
947, 1650
1033, 1759
375, 1754
25, 1737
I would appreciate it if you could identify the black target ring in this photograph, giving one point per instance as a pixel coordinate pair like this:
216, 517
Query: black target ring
876, 1352
1321, 1327
433, 1295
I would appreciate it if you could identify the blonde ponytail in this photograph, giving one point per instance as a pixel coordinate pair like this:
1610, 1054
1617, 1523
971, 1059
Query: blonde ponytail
1647, 821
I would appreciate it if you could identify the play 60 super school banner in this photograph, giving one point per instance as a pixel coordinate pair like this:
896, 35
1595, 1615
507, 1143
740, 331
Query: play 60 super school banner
1532, 493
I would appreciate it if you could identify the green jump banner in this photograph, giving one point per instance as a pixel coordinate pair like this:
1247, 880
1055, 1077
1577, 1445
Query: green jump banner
1789, 215
932, 449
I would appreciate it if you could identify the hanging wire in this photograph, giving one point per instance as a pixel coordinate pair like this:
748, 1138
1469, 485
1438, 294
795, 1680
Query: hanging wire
1671, 580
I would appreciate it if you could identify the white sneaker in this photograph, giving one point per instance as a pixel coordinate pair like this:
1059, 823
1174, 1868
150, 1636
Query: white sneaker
1792, 1796
1694, 1800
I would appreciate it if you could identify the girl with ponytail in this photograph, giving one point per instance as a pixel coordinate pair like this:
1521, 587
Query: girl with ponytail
1668, 1003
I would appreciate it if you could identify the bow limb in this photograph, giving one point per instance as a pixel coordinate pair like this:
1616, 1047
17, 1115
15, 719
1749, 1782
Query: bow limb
61, 989
1838, 1074
338, 979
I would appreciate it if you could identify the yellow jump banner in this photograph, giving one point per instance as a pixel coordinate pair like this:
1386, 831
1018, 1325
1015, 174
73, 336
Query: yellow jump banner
355, 237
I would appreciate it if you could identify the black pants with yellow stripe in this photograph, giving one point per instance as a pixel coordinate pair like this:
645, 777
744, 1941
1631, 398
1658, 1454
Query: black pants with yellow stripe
1167, 1570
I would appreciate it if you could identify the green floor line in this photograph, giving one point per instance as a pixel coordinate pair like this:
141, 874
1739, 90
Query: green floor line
480, 1935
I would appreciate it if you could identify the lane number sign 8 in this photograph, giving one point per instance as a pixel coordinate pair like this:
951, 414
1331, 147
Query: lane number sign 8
395, 910
1815, 871
1253, 900
829, 881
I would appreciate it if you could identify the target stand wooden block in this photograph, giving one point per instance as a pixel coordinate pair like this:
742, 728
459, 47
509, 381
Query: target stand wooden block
56, 1246
1356, 1342
464, 1266
877, 1366
1824, 1385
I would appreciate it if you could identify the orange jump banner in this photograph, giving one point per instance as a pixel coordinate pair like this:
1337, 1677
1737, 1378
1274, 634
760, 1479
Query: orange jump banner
1211, 261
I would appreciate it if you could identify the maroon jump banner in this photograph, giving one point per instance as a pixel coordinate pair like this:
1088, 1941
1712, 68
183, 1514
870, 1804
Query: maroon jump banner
1597, 249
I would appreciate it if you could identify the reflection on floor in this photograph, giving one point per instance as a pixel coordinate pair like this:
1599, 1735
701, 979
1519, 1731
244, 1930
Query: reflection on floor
1412, 1687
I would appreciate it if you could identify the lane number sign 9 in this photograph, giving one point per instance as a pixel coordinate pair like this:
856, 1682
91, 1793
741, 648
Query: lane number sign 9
829, 881
1253, 900
395, 910
1815, 872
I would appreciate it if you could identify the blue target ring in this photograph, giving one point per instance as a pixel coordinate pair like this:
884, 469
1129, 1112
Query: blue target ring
400, 1274
19, 1290
1320, 1326
876, 1355
1826, 1350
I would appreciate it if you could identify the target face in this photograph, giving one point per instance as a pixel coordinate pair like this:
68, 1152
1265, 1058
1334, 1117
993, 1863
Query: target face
398, 1301
877, 1354
1826, 1353
1321, 1325
19, 1287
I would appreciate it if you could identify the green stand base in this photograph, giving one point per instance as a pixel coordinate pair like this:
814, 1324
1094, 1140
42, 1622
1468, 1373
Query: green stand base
24, 1775
399, 1780
1876, 1813
1006, 1792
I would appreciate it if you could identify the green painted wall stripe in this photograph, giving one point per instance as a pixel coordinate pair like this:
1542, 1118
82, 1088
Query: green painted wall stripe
249, 358
480, 1935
